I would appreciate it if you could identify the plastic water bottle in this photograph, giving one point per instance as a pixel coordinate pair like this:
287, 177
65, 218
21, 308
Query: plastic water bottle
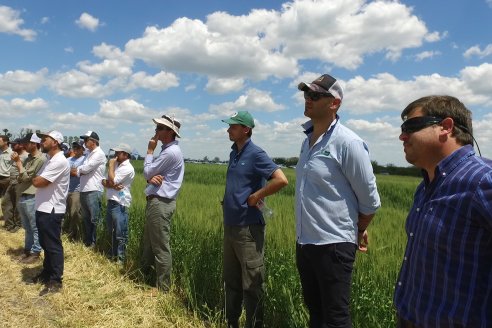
121, 196
265, 210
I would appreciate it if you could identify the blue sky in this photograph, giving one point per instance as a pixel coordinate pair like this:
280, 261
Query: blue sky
111, 66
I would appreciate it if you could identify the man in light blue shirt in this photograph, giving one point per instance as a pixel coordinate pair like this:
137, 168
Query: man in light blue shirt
336, 198
164, 175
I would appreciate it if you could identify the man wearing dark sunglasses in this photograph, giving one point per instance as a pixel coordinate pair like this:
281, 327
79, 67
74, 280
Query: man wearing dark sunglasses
164, 175
336, 198
446, 276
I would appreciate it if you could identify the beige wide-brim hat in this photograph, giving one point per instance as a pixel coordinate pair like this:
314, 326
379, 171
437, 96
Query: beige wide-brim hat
170, 122
123, 147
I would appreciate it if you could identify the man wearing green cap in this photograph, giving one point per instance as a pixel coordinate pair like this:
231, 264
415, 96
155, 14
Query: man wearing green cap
244, 225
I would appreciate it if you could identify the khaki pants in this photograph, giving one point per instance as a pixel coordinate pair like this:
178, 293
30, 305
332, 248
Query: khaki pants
244, 273
72, 223
9, 208
157, 234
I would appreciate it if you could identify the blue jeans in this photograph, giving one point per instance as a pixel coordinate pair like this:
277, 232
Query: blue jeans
90, 204
27, 212
117, 228
49, 226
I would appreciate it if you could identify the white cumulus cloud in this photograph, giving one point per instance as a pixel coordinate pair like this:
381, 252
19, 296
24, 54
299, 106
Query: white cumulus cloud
87, 21
10, 23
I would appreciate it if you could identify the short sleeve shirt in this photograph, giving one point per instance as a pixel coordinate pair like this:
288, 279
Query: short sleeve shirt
247, 172
54, 196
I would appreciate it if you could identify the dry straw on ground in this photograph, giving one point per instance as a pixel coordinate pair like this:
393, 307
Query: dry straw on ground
95, 294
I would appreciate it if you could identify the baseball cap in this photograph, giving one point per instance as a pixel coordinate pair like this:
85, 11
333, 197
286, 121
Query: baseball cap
324, 84
65, 147
79, 144
123, 147
56, 135
242, 117
35, 138
90, 135
170, 122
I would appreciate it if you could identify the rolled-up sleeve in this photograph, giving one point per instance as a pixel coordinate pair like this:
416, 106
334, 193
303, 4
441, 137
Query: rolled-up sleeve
358, 171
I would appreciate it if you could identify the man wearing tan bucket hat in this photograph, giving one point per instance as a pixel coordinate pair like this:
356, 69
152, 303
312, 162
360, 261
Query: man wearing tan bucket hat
164, 175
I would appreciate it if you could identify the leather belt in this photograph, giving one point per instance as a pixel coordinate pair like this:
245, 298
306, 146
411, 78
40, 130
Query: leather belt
149, 197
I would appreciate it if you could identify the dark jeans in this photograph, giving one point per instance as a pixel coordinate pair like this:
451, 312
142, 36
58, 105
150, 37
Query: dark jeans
90, 203
49, 229
402, 323
326, 274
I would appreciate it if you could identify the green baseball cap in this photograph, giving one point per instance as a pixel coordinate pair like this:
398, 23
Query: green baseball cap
242, 117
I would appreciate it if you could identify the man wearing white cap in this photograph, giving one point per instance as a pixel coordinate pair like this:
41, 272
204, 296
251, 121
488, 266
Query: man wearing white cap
165, 176
28, 169
336, 198
91, 173
51, 194
118, 184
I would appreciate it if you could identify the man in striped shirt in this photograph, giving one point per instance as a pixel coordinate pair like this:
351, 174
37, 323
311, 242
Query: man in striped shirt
446, 274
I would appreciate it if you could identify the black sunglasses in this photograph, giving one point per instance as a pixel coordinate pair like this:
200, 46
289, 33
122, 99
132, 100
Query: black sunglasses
415, 124
162, 127
315, 96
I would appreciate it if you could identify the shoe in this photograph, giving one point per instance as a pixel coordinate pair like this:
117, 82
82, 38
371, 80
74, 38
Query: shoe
52, 287
31, 258
23, 256
40, 278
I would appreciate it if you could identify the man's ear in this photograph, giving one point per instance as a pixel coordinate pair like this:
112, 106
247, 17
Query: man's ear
447, 125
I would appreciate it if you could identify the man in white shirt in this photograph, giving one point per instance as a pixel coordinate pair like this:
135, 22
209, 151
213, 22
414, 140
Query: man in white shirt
91, 173
118, 184
51, 194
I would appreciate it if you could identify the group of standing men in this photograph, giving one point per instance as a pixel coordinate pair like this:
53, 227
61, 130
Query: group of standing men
446, 275
50, 189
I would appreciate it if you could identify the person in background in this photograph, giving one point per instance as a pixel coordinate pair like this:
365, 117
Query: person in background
91, 173
72, 223
5, 163
445, 278
10, 199
118, 186
52, 188
244, 225
28, 169
336, 199
164, 175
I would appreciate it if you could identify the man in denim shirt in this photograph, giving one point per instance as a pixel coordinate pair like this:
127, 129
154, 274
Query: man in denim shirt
336, 198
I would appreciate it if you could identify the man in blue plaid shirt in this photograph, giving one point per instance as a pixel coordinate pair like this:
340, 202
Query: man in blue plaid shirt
446, 275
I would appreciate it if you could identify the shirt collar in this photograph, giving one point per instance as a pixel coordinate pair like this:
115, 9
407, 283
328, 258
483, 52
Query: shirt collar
165, 145
234, 146
448, 164
308, 126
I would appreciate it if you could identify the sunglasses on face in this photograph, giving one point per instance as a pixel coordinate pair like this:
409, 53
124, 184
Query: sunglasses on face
162, 128
415, 124
315, 96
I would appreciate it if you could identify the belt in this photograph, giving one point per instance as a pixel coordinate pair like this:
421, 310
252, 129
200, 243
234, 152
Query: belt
3, 178
28, 195
149, 197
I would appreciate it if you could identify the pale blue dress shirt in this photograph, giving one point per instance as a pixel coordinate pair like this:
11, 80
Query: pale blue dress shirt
334, 183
